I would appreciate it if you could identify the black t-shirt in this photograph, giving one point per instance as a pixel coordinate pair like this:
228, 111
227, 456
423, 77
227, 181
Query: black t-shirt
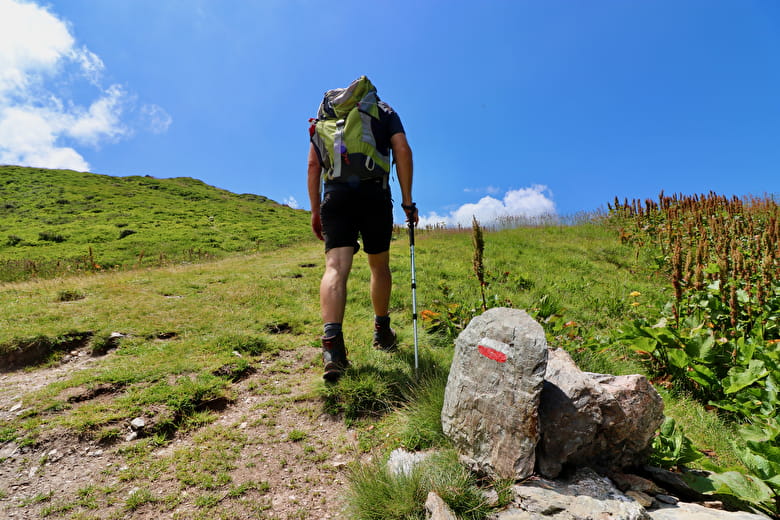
387, 126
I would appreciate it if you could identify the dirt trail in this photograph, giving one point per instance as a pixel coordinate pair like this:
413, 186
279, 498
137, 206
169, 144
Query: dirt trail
292, 459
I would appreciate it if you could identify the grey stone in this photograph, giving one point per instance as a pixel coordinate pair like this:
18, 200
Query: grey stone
402, 462
438, 509
688, 511
643, 499
8, 450
138, 423
596, 420
628, 481
491, 401
585, 496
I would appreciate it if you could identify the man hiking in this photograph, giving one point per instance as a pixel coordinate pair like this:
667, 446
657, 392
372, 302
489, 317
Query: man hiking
349, 192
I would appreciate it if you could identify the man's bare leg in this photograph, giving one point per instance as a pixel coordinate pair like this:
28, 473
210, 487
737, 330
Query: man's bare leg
381, 286
333, 300
381, 282
333, 287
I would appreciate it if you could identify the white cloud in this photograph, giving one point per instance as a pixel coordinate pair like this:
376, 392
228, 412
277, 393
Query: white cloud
290, 201
38, 125
156, 119
490, 190
532, 202
31, 41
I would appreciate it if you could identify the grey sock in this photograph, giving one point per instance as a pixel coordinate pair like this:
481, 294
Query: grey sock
331, 329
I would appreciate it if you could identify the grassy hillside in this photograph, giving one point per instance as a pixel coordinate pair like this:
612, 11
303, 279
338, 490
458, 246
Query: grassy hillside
222, 358
185, 325
58, 221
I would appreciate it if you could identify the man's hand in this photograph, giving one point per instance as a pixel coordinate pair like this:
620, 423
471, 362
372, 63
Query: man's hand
316, 225
412, 216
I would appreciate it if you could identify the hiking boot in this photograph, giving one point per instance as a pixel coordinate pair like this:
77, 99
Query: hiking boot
334, 357
384, 338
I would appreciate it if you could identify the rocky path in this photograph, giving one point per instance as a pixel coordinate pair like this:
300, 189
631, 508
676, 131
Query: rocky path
271, 453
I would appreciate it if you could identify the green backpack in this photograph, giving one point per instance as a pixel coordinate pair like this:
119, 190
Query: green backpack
343, 136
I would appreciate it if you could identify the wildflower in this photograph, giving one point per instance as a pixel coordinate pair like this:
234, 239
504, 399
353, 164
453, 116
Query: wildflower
428, 315
635, 304
634, 294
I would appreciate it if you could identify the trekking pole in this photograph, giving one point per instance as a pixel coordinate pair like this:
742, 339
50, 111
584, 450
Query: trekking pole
414, 294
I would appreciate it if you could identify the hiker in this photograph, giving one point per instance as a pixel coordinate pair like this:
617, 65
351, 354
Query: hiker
350, 196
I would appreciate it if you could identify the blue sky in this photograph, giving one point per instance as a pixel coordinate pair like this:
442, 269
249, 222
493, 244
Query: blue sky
511, 107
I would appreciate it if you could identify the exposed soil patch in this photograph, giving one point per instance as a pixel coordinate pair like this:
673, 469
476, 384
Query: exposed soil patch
279, 328
84, 393
32, 351
235, 371
285, 458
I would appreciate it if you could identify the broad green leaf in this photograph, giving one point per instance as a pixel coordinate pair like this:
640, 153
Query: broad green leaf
643, 344
755, 433
678, 358
703, 375
744, 487
767, 450
756, 463
740, 378
745, 350
701, 346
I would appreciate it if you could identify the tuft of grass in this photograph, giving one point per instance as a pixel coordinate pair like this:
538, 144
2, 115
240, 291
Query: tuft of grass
419, 421
377, 494
362, 392
139, 498
209, 500
245, 344
296, 435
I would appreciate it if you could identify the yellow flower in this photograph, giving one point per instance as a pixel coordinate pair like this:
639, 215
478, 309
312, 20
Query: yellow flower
635, 304
634, 294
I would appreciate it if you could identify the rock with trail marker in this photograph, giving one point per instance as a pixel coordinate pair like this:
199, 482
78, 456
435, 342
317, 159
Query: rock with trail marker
493, 391
602, 421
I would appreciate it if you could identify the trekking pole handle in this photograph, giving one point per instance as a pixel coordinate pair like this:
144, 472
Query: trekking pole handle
410, 211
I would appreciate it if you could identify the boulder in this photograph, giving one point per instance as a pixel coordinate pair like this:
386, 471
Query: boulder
492, 396
601, 421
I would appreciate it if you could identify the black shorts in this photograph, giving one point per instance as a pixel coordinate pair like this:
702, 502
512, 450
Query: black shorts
348, 212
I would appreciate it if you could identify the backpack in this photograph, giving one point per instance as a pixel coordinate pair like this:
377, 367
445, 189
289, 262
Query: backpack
343, 137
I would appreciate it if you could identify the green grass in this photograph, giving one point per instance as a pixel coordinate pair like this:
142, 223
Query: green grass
183, 323
56, 222
378, 494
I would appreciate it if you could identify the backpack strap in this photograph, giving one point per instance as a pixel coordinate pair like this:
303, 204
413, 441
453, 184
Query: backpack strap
338, 146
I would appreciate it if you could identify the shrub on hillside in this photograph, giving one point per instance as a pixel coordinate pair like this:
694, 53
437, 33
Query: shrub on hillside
48, 236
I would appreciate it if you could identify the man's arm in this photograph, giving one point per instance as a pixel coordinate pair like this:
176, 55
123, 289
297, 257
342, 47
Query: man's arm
405, 170
313, 184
